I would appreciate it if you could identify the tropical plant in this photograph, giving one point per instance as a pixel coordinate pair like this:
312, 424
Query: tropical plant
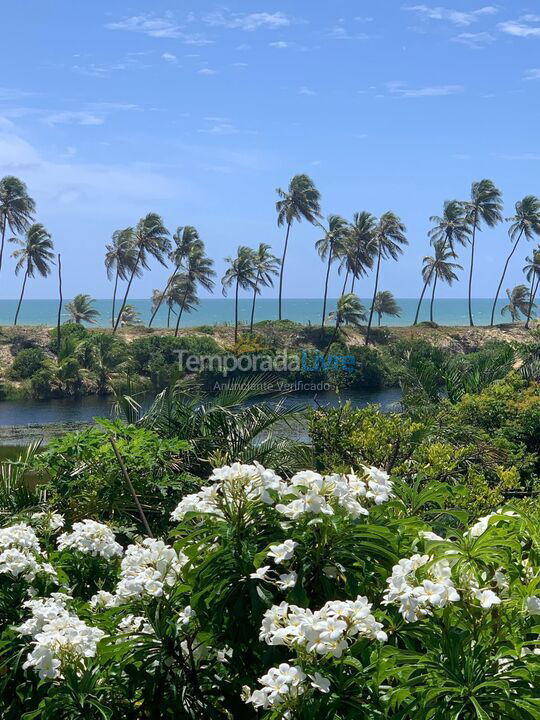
525, 222
437, 267
105, 356
182, 293
484, 206
150, 239
331, 246
385, 304
242, 274
387, 241
120, 260
359, 250
300, 201
532, 272
130, 316
81, 311
35, 254
198, 271
452, 228
16, 208
266, 265
349, 311
519, 302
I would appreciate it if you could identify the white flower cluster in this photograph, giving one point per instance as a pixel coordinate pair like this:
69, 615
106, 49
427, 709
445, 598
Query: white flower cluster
480, 527
282, 684
134, 625
416, 598
307, 492
328, 631
149, 569
58, 636
20, 553
48, 522
280, 554
91, 538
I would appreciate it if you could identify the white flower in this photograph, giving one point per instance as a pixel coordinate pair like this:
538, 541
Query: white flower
151, 568
19, 536
533, 605
487, 598
91, 538
260, 573
103, 599
186, 615
283, 552
320, 682
287, 581
426, 535
48, 521
135, 625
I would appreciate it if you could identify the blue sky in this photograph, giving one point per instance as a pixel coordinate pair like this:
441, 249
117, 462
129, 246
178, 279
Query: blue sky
199, 111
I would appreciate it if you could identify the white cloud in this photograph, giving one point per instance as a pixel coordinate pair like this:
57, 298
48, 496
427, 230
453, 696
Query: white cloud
307, 91
280, 44
476, 41
400, 89
79, 117
532, 74
219, 127
364, 19
340, 32
457, 17
169, 57
206, 71
524, 27
249, 23
159, 27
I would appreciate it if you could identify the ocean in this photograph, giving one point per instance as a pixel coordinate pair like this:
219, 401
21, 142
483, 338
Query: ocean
214, 311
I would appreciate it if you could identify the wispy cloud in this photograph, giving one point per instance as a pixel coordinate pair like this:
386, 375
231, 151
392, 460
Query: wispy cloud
159, 27
526, 26
169, 57
400, 89
532, 74
279, 44
457, 17
250, 22
218, 126
341, 31
207, 71
79, 117
476, 41
307, 91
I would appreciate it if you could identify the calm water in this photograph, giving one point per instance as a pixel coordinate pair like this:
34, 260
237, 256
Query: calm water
212, 311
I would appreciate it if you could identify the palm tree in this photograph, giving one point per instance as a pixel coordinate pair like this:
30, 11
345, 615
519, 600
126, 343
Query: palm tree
150, 238
385, 304
130, 316
16, 208
532, 271
81, 311
183, 292
388, 238
120, 260
485, 206
242, 274
519, 302
526, 222
452, 227
300, 200
331, 246
440, 267
360, 250
349, 310
35, 254
266, 265
198, 272
184, 239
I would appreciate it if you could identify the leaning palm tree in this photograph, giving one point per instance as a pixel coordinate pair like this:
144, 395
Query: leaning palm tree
331, 246
150, 238
184, 240
16, 208
484, 206
80, 310
120, 260
183, 293
242, 274
440, 267
300, 200
519, 301
532, 272
452, 227
360, 250
266, 265
388, 239
349, 310
526, 222
35, 254
385, 304
198, 271
130, 316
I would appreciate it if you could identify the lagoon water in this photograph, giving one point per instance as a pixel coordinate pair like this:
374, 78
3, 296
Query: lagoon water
216, 311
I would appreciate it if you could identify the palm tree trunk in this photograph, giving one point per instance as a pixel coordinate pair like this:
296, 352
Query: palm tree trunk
374, 296
380, 318
432, 299
21, 298
282, 269
334, 335
114, 298
502, 277
162, 298
253, 306
180, 313
236, 314
345, 284
353, 281
330, 254
169, 317
421, 299
533, 298
4, 223
124, 301
59, 305
471, 321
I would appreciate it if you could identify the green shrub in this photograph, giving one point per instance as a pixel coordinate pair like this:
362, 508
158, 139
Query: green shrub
43, 384
68, 332
27, 363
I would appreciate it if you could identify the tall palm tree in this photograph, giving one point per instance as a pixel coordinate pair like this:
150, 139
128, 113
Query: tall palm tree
120, 257
182, 292
532, 271
388, 239
150, 239
266, 265
519, 301
385, 304
198, 271
451, 227
331, 246
35, 254
184, 239
300, 200
16, 208
484, 206
526, 222
242, 274
349, 310
439, 267
81, 311
360, 250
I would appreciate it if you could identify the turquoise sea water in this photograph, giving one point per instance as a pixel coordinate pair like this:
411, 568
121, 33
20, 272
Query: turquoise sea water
214, 311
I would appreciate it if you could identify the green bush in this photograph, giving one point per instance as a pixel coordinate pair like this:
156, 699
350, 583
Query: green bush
69, 332
43, 384
27, 363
